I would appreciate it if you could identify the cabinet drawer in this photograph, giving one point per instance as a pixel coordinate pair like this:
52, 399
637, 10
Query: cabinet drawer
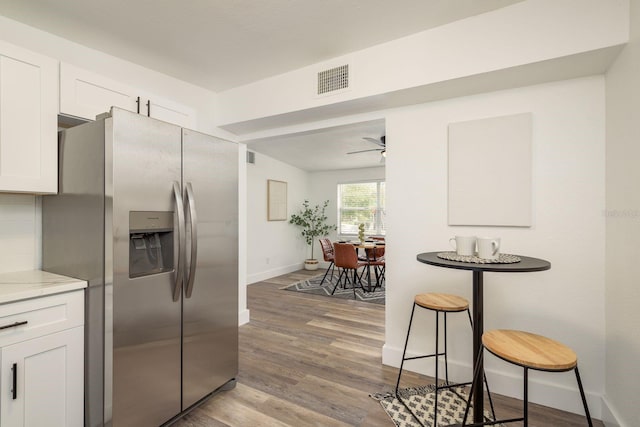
44, 315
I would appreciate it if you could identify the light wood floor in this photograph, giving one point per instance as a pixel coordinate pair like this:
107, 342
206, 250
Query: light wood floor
308, 360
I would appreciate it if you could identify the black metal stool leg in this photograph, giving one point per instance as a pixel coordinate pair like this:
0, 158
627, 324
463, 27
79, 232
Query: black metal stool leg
435, 396
446, 361
584, 399
404, 353
526, 397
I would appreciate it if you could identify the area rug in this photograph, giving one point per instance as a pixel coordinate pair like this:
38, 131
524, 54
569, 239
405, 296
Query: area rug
451, 406
312, 286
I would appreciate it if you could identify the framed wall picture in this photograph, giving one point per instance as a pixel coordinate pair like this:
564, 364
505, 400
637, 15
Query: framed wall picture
490, 171
276, 200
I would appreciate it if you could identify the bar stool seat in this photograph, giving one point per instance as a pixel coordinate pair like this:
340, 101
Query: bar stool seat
439, 303
527, 349
530, 351
442, 302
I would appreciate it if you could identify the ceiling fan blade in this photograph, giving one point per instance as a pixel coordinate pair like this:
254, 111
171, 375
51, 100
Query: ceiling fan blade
376, 141
364, 151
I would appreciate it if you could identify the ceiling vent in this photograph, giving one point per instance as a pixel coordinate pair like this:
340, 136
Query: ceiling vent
334, 79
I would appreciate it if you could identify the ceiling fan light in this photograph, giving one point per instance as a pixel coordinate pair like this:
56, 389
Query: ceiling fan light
384, 153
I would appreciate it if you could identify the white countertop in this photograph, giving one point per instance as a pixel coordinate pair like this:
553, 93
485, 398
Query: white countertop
21, 285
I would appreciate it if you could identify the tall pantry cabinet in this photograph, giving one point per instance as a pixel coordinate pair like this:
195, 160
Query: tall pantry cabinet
28, 121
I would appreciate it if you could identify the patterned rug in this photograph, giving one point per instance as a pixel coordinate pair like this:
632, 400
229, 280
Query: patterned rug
451, 406
312, 286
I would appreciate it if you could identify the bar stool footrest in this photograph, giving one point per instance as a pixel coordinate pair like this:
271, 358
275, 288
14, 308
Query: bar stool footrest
423, 357
492, 423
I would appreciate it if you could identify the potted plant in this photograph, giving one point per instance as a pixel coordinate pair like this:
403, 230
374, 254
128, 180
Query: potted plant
313, 222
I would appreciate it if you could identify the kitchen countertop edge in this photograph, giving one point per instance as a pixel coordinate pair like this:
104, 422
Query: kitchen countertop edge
22, 285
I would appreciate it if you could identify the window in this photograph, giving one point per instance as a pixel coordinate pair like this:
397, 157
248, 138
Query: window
361, 203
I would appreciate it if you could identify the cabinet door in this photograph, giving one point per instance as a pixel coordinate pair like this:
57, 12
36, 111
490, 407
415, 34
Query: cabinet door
169, 111
28, 121
85, 94
48, 377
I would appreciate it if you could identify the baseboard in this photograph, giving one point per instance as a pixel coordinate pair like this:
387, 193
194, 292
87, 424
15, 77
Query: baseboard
279, 271
609, 417
243, 317
509, 383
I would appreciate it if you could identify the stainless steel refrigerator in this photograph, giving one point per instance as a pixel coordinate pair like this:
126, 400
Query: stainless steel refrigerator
147, 213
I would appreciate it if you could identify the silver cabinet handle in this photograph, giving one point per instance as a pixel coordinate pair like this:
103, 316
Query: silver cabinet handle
194, 241
177, 193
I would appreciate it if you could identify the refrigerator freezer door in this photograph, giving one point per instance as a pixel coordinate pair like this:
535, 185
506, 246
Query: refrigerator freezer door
210, 312
145, 159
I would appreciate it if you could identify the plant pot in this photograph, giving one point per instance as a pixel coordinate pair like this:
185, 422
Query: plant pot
310, 264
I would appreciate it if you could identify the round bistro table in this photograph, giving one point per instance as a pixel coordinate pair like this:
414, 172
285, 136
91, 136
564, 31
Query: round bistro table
526, 264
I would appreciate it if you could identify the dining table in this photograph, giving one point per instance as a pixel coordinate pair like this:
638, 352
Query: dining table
477, 266
366, 246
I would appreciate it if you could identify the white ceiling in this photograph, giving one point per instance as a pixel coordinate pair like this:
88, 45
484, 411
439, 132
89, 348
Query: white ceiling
220, 44
326, 149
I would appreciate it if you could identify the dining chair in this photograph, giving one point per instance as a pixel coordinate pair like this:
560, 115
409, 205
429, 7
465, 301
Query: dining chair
346, 258
328, 254
374, 257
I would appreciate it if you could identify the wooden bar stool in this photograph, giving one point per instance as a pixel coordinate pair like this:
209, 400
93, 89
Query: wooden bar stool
530, 351
439, 303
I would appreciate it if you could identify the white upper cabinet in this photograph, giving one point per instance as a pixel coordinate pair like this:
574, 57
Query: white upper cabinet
86, 94
28, 121
167, 111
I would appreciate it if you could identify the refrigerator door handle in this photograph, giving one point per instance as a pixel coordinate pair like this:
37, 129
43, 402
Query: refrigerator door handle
177, 193
194, 241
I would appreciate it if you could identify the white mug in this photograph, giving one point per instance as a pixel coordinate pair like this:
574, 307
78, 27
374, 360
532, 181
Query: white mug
464, 245
488, 247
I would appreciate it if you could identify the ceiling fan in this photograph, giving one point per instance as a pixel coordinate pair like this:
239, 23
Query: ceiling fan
381, 142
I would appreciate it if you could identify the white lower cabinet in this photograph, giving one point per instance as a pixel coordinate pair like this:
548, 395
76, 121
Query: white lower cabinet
42, 361
42, 381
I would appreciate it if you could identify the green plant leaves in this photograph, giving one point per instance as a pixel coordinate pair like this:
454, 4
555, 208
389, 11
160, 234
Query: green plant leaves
312, 219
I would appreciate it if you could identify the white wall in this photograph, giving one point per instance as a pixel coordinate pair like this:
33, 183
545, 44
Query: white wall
324, 186
276, 247
273, 247
566, 302
20, 230
622, 387
243, 311
507, 38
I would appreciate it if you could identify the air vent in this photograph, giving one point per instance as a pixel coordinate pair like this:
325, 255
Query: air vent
334, 79
251, 157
